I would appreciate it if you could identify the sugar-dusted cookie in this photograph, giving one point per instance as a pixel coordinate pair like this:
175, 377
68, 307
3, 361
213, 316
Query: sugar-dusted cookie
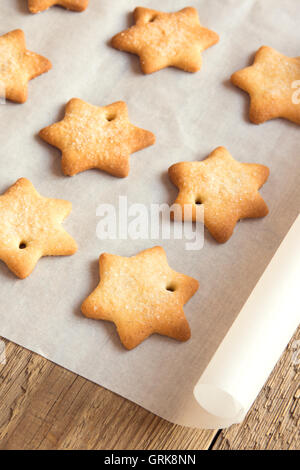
166, 39
96, 137
36, 6
270, 84
30, 227
18, 66
142, 295
227, 189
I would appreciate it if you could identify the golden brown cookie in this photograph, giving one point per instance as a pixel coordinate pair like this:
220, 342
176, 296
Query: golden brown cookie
269, 82
30, 227
166, 39
227, 189
36, 6
142, 295
18, 66
96, 137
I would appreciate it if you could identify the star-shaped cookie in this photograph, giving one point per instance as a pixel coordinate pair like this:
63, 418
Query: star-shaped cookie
96, 137
18, 66
228, 190
142, 295
166, 39
270, 84
36, 6
30, 227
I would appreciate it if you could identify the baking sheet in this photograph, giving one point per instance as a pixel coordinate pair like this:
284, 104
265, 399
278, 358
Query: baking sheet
190, 114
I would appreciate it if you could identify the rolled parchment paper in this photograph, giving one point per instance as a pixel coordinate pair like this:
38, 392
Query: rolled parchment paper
255, 341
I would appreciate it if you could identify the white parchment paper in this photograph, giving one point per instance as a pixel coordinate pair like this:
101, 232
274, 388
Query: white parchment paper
247, 354
190, 114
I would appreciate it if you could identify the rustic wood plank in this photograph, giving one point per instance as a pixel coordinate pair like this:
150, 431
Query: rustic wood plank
274, 420
43, 406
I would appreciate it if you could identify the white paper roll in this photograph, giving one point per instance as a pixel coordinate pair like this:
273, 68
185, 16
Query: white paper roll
255, 342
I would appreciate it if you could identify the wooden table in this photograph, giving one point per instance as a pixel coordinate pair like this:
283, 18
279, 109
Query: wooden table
43, 406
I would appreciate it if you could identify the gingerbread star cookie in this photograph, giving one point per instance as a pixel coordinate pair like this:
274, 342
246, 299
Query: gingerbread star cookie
96, 137
270, 82
228, 190
142, 295
166, 39
36, 6
18, 66
30, 227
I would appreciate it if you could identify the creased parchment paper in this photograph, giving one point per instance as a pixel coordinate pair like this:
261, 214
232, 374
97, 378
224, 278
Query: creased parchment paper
190, 114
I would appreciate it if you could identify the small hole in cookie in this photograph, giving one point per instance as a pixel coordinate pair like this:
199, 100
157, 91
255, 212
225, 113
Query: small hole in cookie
22, 246
152, 19
111, 117
170, 288
198, 201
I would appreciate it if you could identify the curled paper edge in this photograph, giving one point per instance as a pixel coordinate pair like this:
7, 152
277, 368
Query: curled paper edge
251, 348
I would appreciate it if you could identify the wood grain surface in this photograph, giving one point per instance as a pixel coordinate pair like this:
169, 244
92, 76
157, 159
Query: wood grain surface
43, 406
